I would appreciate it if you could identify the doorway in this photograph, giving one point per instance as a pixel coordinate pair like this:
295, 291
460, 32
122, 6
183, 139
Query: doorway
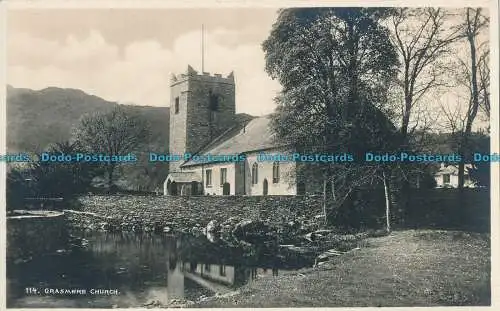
226, 188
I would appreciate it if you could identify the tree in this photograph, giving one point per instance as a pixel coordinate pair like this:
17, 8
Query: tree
59, 179
115, 133
472, 76
473, 25
334, 65
423, 38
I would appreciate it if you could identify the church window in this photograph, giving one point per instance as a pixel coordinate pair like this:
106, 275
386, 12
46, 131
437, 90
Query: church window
255, 172
176, 105
276, 172
214, 101
208, 179
223, 176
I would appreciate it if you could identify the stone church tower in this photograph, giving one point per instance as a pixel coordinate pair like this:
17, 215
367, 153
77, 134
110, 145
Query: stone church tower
202, 106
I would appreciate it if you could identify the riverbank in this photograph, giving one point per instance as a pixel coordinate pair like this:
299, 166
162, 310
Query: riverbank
406, 268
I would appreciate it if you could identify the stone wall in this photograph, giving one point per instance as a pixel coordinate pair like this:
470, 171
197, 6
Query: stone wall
435, 208
197, 211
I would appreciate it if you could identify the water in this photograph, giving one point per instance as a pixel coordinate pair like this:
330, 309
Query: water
136, 270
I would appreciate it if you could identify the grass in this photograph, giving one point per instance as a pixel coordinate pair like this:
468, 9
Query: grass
405, 268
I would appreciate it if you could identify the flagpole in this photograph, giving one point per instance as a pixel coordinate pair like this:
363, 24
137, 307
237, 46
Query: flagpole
202, 48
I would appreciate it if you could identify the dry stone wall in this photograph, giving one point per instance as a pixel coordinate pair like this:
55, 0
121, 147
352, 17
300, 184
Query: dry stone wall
180, 212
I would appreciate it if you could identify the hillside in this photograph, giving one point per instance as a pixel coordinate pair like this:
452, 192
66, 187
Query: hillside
37, 118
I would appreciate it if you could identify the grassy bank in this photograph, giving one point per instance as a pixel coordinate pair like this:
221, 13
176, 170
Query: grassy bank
406, 268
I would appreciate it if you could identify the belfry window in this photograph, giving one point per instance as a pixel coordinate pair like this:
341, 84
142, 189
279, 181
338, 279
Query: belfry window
213, 101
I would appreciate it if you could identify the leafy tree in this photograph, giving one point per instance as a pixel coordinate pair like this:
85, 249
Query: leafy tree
334, 65
115, 133
57, 179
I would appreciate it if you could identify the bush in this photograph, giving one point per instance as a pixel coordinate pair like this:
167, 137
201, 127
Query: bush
17, 188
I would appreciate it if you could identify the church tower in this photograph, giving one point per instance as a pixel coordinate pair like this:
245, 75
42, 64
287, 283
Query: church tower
202, 106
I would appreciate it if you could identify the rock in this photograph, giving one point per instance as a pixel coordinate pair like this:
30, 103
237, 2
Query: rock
297, 249
137, 228
317, 235
213, 227
179, 303
158, 227
213, 238
152, 304
253, 231
197, 231
84, 242
228, 224
110, 227
326, 256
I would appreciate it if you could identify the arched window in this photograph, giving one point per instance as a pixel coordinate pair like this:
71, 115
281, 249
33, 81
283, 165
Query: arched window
255, 172
276, 172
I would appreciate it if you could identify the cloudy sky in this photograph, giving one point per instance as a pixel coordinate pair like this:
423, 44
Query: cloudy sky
128, 55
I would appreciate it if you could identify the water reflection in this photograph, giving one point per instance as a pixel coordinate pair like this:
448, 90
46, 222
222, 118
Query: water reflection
143, 268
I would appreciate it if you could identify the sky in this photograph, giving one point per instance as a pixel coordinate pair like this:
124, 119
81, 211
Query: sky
127, 55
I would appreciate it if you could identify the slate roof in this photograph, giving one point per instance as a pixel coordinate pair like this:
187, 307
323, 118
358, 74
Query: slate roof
184, 177
253, 135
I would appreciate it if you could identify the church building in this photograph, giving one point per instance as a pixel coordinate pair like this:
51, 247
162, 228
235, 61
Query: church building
203, 123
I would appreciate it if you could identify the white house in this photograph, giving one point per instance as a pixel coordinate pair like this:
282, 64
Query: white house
447, 176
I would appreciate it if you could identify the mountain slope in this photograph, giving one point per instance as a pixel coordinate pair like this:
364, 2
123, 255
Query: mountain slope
37, 118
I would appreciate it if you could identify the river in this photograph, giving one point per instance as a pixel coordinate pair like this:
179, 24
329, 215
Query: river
106, 270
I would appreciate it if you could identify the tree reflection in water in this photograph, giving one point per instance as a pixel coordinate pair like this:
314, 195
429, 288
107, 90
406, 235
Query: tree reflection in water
143, 267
